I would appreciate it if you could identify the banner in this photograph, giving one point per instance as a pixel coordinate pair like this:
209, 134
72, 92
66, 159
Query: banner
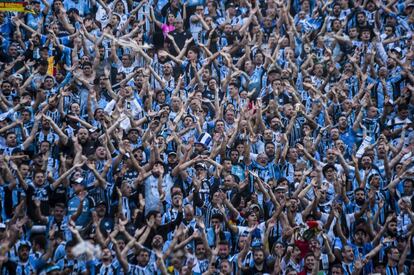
15, 6
51, 65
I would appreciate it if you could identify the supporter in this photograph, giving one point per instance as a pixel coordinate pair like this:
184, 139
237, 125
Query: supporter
207, 137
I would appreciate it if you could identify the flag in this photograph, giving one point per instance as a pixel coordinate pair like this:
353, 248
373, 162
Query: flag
15, 6
313, 230
50, 67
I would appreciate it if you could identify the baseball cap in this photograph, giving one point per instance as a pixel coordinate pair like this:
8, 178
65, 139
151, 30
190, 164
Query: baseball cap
101, 202
272, 69
52, 268
93, 130
106, 225
21, 244
19, 76
257, 243
79, 181
3, 117
204, 139
132, 129
201, 165
396, 49
249, 212
280, 188
73, 10
360, 228
231, 5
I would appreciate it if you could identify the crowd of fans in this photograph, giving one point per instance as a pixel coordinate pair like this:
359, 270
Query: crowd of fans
217, 137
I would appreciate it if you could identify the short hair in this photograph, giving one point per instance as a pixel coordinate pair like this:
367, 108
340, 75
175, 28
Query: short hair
121, 74
5, 81
235, 178
194, 49
117, 15
46, 141
224, 242
190, 116
39, 172
175, 186
43, 63
234, 83
309, 254
337, 265
390, 26
152, 213
213, 3
96, 110
61, 205
328, 166
77, 131
40, 240
361, 12
225, 159
25, 94
217, 216
218, 120
389, 249
282, 179
70, 244
344, 247
10, 133
86, 63
49, 76
24, 163
402, 107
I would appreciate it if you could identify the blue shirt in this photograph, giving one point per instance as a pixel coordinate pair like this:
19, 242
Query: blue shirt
6, 28
85, 216
75, 265
348, 137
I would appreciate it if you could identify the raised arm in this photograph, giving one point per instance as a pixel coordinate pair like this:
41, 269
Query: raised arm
31, 138
114, 56
62, 137
78, 212
122, 260
59, 180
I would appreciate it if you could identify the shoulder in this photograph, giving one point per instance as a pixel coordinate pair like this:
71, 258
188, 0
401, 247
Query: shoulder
73, 200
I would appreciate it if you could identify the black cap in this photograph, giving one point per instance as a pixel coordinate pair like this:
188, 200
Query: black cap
218, 216
101, 202
231, 5
73, 10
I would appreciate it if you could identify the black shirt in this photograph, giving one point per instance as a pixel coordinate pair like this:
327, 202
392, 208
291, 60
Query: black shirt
180, 38
254, 271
